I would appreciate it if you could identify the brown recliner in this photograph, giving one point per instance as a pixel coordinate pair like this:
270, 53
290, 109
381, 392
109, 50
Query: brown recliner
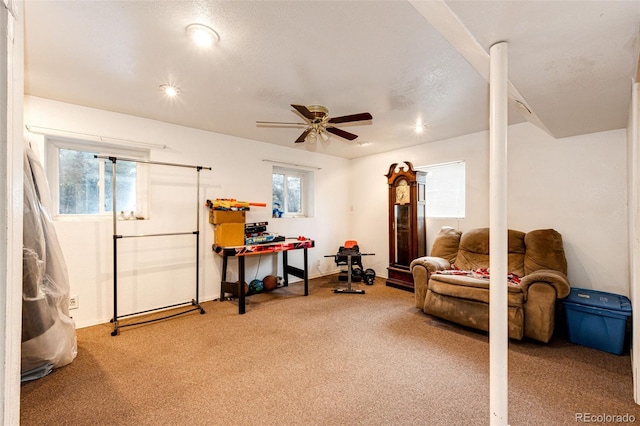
536, 261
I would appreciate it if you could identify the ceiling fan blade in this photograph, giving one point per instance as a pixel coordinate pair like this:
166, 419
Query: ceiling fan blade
281, 122
303, 136
353, 117
341, 133
304, 111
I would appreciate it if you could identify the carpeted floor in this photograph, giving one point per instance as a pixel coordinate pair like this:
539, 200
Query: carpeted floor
325, 359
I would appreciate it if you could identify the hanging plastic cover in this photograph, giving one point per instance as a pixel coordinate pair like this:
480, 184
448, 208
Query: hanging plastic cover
48, 333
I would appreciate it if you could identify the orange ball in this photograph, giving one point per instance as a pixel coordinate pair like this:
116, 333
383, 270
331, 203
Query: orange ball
270, 282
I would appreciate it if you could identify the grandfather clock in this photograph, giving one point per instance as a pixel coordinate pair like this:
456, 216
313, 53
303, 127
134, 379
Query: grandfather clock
407, 226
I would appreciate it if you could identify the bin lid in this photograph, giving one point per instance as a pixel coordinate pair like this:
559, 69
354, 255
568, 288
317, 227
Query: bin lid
599, 299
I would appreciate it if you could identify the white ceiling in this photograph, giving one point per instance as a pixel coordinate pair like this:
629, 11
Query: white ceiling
571, 62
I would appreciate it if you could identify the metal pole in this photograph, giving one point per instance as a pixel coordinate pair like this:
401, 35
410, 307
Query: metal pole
498, 314
160, 163
198, 235
115, 245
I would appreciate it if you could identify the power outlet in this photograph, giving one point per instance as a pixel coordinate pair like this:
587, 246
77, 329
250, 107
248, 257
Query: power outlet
74, 302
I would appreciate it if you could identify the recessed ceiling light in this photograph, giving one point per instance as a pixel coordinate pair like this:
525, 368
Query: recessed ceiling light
170, 90
202, 35
419, 127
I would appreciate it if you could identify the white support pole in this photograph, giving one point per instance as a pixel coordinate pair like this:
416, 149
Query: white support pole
498, 316
11, 204
633, 142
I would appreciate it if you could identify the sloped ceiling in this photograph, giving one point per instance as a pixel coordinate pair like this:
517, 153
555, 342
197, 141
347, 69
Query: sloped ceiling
571, 63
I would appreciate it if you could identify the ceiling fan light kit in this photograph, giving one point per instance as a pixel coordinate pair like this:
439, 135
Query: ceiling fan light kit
203, 35
319, 123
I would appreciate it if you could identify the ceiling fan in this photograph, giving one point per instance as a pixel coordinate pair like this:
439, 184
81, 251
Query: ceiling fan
319, 122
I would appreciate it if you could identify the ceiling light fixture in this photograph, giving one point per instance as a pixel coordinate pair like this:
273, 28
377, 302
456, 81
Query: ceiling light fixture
419, 127
202, 35
324, 136
170, 90
312, 137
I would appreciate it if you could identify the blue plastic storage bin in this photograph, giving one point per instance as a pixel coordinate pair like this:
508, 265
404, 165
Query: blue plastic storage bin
597, 319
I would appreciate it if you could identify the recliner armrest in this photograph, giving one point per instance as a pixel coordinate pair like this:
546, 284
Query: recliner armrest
432, 264
421, 270
555, 278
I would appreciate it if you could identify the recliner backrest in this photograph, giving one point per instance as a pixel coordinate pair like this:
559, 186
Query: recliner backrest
473, 252
446, 244
538, 249
545, 250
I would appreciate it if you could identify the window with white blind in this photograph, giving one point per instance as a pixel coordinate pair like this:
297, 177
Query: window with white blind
445, 190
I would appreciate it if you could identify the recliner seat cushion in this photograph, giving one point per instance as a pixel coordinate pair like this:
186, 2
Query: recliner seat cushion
471, 288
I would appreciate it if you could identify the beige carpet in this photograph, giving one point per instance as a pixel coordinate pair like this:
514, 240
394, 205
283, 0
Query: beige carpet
325, 359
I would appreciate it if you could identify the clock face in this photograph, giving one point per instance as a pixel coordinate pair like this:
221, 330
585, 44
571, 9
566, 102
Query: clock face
402, 192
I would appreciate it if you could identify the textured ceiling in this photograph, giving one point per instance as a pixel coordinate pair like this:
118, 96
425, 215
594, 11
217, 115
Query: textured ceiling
571, 62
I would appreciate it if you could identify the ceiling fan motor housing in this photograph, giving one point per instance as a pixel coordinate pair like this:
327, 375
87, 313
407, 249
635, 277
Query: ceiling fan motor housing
319, 112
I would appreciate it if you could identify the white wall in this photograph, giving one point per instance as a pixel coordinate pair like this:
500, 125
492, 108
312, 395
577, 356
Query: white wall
160, 271
575, 185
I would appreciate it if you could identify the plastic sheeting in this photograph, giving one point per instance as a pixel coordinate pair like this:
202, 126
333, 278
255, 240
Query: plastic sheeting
48, 333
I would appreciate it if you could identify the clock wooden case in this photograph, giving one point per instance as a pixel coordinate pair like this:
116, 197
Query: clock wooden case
407, 225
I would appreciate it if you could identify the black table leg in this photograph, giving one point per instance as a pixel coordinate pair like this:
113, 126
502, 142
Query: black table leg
285, 269
241, 306
224, 276
306, 273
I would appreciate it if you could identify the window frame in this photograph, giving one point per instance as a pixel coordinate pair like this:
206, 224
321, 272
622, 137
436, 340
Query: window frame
53, 144
306, 185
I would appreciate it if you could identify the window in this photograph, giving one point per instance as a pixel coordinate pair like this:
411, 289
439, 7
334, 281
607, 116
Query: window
445, 190
291, 192
83, 185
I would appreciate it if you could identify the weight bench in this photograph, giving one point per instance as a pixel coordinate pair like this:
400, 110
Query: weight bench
349, 255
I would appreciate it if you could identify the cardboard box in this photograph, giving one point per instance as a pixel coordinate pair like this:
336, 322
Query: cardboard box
597, 319
228, 234
227, 216
228, 227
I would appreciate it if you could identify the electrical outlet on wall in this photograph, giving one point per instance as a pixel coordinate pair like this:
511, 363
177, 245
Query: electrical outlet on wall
74, 302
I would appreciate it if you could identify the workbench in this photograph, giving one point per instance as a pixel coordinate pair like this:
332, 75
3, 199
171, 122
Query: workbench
241, 252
